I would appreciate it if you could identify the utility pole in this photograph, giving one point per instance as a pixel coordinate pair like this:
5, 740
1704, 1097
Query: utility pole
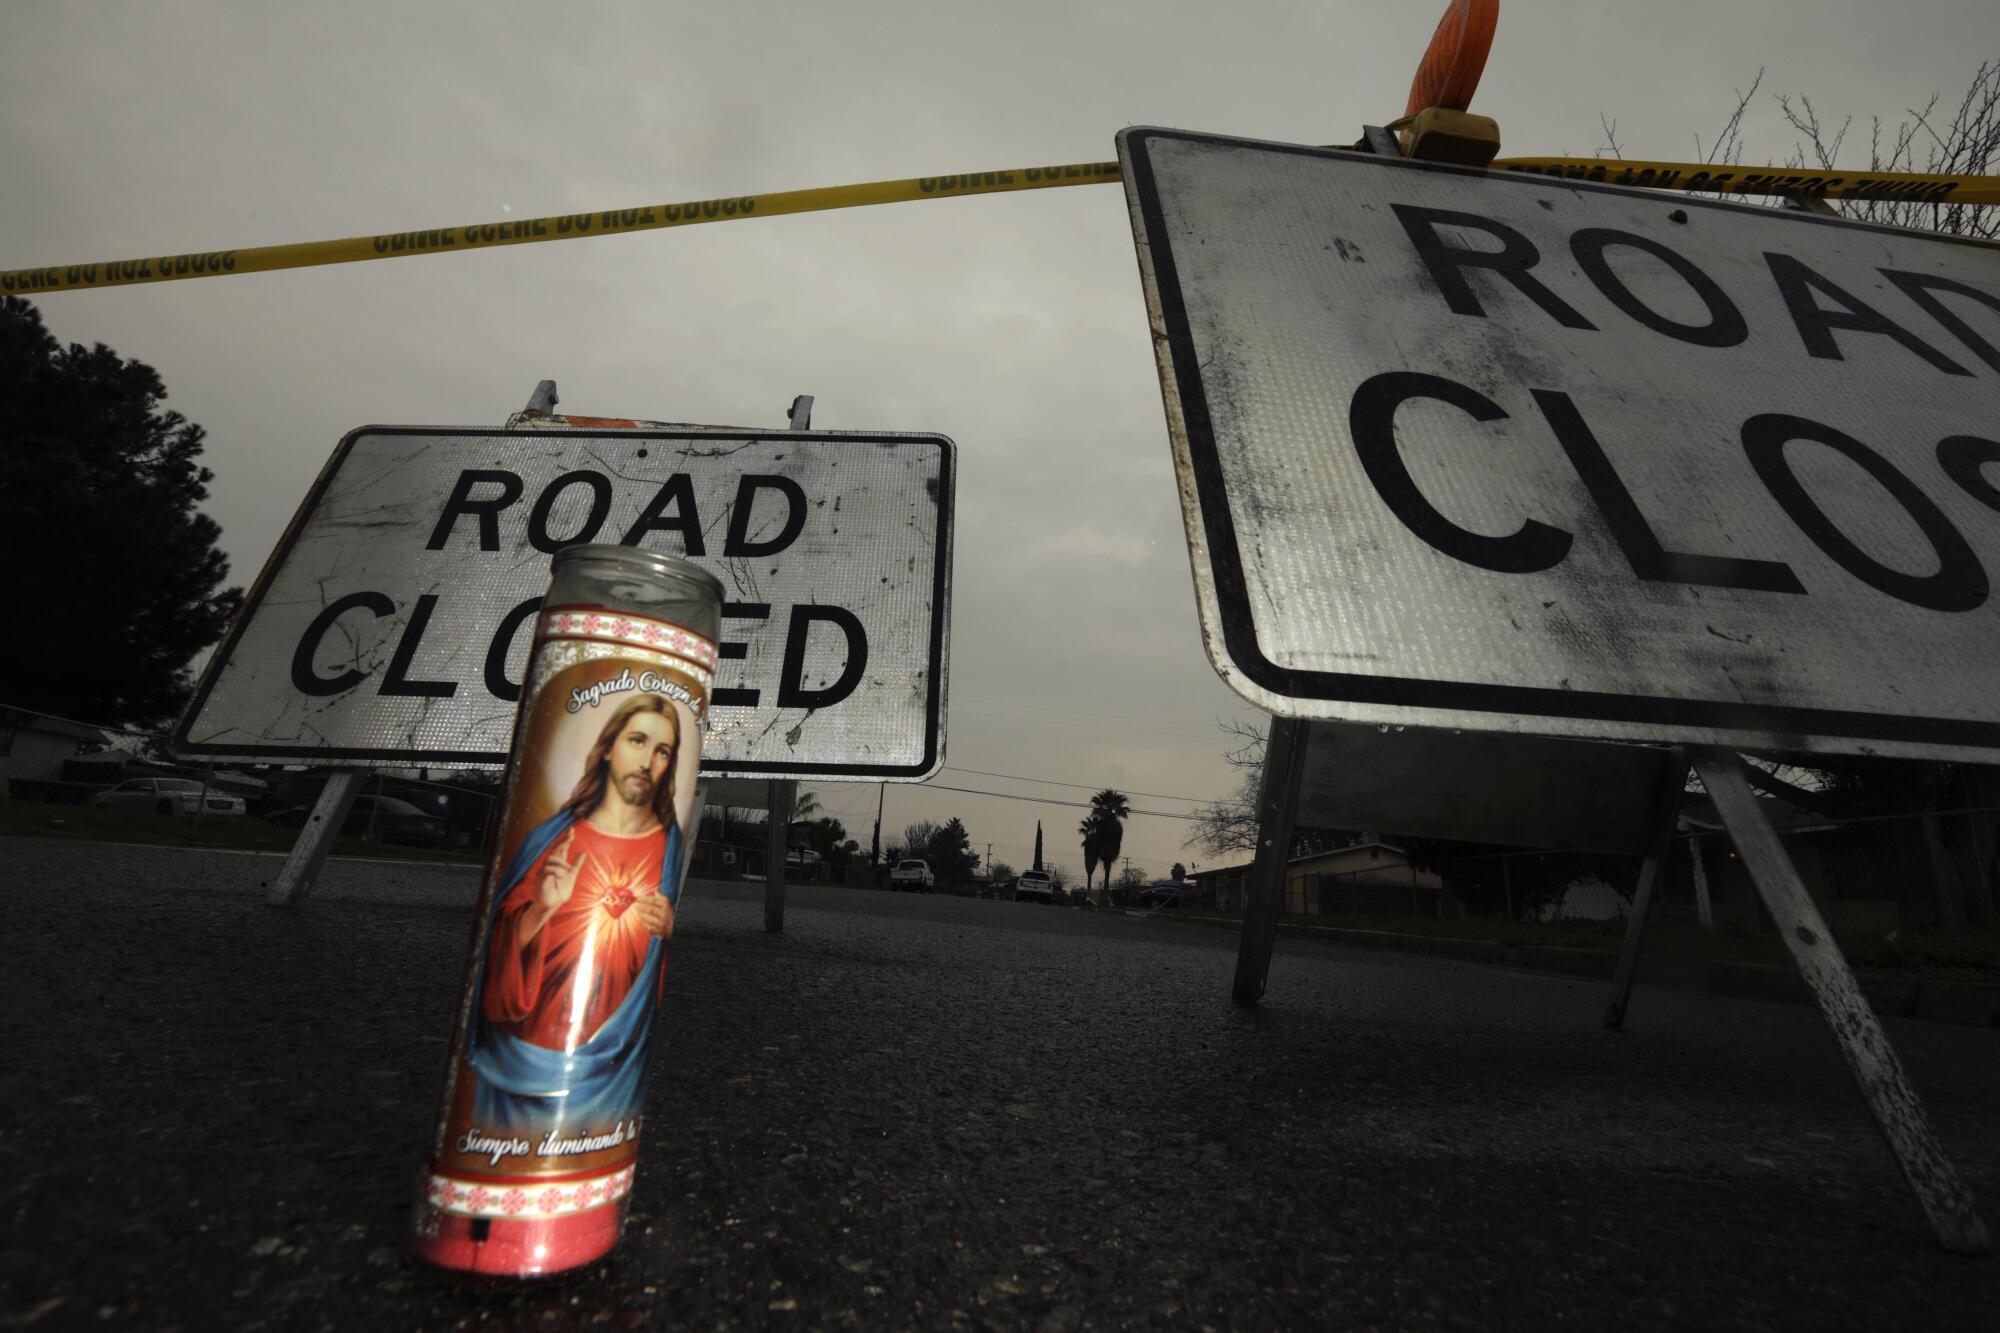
875, 848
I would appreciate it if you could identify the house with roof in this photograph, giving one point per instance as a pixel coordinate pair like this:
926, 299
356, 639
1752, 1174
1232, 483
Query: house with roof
1368, 879
34, 748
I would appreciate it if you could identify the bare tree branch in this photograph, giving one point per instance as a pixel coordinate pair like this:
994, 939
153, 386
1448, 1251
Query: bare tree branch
1610, 138
1922, 118
1965, 144
1805, 119
1248, 752
1229, 825
1729, 143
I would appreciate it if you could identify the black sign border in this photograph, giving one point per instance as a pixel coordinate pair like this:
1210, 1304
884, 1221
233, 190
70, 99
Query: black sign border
933, 758
1784, 726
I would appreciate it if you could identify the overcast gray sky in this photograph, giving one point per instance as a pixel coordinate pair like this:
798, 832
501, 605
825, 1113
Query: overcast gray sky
1012, 323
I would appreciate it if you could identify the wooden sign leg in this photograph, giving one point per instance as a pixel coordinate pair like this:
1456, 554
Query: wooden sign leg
1666, 814
308, 855
1277, 810
1898, 1112
688, 852
1704, 906
777, 830
784, 794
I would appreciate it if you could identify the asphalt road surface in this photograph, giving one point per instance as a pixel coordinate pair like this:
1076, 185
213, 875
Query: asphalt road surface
932, 1112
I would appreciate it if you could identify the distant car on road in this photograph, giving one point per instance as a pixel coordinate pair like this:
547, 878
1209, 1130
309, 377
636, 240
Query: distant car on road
913, 875
381, 819
166, 796
1035, 886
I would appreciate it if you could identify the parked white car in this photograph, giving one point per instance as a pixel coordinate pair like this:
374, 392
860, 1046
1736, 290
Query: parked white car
913, 875
166, 796
1035, 886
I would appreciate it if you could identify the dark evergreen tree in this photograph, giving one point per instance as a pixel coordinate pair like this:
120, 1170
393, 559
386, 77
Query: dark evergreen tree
951, 856
827, 836
110, 566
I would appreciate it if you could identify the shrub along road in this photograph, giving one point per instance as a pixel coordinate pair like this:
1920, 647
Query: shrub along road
916, 1111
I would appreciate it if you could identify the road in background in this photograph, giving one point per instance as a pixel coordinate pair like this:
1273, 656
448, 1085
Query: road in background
918, 1110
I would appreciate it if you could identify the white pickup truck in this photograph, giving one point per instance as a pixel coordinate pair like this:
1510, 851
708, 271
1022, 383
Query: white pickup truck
912, 875
1035, 886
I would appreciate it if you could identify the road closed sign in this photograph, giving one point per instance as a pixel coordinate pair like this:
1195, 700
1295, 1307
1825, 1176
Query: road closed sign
391, 626
1500, 452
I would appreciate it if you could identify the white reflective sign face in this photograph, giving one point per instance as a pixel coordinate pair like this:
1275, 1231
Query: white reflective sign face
392, 625
1499, 452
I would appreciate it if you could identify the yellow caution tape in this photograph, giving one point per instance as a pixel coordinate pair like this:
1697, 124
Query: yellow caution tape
1685, 176
527, 231
1712, 178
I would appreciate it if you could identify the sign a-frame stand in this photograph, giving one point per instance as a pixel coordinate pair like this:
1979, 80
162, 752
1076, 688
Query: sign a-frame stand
1244, 457
1897, 1110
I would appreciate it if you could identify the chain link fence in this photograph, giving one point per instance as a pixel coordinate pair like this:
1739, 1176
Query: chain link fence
1907, 891
1874, 874
66, 776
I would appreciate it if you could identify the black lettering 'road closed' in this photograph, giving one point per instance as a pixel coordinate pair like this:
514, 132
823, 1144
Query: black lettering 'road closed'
1770, 442
357, 619
1485, 268
1909, 326
766, 514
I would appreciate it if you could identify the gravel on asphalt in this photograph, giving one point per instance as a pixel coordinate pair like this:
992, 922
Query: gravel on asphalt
924, 1112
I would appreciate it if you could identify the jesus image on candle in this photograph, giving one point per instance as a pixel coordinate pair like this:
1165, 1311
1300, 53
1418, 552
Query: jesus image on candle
580, 921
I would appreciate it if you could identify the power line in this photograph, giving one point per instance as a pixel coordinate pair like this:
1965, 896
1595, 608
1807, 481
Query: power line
1085, 786
1160, 730
1084, 712
1067, 725
839, 802
75, 722
1046, 800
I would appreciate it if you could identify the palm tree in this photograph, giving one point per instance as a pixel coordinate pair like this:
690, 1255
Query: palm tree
1088, 828
805, 806
1109, 809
